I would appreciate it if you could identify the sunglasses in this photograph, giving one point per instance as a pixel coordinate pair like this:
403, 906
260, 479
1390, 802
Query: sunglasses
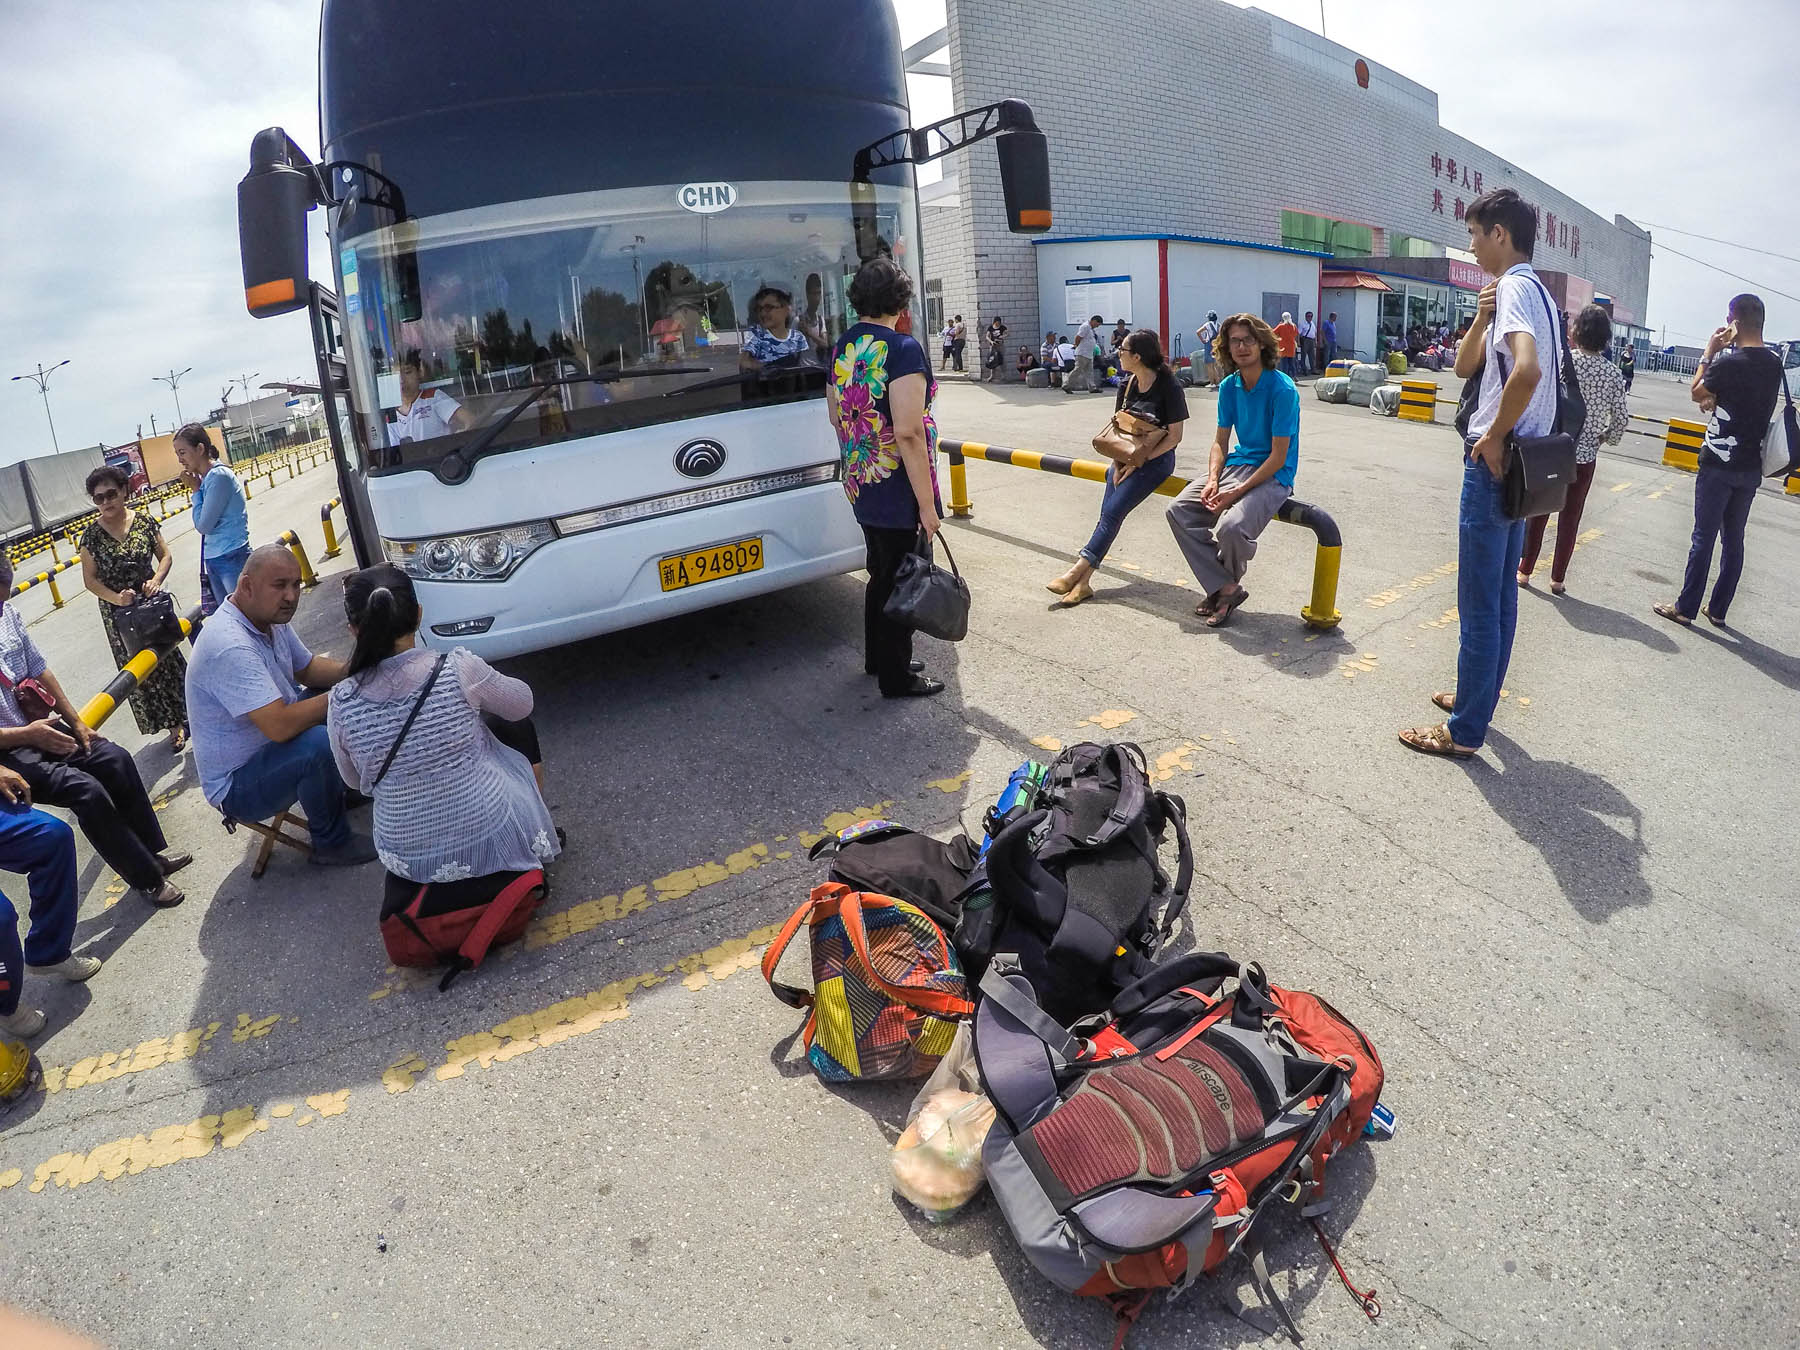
102, 498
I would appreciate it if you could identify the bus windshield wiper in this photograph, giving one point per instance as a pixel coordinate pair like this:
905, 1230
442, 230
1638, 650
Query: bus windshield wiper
466, 455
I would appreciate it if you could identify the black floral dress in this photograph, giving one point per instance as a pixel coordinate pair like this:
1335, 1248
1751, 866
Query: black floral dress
160, 704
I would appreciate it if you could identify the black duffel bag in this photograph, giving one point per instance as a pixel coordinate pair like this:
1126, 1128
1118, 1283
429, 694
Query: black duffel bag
882, 858
149, 621
926, 598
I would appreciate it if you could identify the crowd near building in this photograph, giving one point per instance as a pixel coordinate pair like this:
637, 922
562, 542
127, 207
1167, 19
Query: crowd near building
1206, 157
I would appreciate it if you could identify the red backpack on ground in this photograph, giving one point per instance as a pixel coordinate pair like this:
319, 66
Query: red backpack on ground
1144, 1155
441, 926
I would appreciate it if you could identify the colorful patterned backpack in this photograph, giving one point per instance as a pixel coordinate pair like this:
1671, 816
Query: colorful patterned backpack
887, 989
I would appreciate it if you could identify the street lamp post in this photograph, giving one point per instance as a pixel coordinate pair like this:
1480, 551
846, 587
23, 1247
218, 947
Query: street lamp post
173, 380
243, 382
42, 380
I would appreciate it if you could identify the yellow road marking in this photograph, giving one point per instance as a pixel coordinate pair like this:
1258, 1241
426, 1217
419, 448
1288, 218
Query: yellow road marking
951, 786
1049, 743
1424, 579
141, 1058
1620, 487
1110, 720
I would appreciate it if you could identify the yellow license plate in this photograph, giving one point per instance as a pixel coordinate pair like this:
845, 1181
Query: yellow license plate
681, 570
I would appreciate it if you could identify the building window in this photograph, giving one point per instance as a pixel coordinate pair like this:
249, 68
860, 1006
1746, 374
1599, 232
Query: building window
1322, 234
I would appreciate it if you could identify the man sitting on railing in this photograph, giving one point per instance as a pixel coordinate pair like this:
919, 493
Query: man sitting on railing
42, 849
67, 764
258, 738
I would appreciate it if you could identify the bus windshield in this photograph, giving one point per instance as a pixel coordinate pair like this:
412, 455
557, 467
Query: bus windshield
600, 311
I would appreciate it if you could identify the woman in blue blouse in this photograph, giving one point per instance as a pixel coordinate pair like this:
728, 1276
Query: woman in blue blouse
774, 334
221, 517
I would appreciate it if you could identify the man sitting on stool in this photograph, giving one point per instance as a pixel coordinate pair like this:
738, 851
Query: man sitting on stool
259, 745
67, 764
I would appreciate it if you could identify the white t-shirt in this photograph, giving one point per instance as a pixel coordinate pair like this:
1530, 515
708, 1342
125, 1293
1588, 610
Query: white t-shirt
428, 417
1307, 328
1521, 306
1066, 354
1087, 339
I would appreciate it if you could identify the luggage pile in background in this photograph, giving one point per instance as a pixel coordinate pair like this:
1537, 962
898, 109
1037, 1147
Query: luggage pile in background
1139, 1116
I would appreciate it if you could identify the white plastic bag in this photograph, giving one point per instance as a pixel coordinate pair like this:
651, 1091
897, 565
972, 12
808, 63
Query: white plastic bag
936, 1163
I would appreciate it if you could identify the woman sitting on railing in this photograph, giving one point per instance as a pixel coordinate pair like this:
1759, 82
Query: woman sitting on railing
445, 746
124, 559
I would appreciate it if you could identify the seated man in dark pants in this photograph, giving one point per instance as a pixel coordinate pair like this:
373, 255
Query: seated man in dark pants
67, 764
259, 741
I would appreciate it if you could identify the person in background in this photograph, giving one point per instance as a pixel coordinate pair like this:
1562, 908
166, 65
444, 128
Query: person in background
221, 515
880, 395
42, 849
1628, 365
1286, 337
1151, 393
994, 365
1216, 523
1207, 334
1309, 345
1065, 356
1048, 358
259, 742
959, 342
1738, 382
813, 319
460, 802
1120, 332
424, 414
1026, 362
67, 764
774, 336
123, 558
1603, 390
949, 339
1328, 341
1086, 344
1514, 330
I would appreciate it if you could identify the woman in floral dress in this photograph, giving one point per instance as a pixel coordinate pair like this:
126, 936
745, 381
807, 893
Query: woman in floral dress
123, 557
880, 394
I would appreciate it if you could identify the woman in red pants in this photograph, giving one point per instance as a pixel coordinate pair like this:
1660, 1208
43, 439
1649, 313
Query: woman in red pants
1604, 390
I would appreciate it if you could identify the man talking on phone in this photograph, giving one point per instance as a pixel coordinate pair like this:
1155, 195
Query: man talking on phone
1515, 327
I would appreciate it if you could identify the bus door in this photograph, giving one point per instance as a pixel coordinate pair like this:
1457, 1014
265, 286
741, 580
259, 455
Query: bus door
346, 449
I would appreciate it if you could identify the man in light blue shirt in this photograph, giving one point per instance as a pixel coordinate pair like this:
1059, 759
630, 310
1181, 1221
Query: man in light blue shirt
1217, 522
221, 517
259, 741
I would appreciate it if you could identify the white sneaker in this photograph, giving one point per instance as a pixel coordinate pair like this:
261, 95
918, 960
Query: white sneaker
75, 969
24, 1022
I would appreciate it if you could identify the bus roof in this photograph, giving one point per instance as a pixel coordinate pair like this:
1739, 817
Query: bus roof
467, 103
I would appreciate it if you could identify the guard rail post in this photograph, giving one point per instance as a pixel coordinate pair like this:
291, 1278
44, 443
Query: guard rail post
308, 577
46, 578
1321, 609
132, 674
331, 539
1681, 444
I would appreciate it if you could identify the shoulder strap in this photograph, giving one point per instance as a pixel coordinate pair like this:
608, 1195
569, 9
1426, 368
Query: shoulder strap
411, 717
493, 919
934, 1001
772, 954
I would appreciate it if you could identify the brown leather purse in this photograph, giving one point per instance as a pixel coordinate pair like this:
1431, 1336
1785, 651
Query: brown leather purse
1124, 434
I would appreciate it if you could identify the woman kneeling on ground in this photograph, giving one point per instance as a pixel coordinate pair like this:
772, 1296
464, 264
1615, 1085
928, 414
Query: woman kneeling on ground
444, 744
1150, 402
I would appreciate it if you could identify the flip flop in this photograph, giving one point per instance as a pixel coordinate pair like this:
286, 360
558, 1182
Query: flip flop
1434, 741
1206, 608
1672, 614
1226, 606
1713, 619
1445, 701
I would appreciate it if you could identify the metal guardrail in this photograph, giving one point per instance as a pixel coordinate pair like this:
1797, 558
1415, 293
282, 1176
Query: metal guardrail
133, 673
1321, 609
308, 577
47, 578
331, 540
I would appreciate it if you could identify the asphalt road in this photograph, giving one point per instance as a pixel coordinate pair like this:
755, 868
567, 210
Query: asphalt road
1576, 955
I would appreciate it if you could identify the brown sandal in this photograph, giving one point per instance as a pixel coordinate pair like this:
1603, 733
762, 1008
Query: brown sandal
1445, 701
1225, 606
1206, 608
1672, 614
1435, 741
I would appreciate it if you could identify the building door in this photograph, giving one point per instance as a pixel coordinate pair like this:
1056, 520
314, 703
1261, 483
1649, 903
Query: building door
1277, 303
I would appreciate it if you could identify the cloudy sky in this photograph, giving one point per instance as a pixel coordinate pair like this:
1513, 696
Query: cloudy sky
125, 126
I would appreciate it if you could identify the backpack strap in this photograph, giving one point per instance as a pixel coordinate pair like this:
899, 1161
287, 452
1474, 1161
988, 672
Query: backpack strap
933, 1001
410, 917
1176, 809
1064, 1048
411, 717
493, 919
772, 954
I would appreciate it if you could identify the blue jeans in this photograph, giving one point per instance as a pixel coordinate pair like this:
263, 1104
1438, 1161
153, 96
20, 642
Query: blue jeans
224, 571
1488, 544
43, 848
1121, 499
1721, 506
284, 772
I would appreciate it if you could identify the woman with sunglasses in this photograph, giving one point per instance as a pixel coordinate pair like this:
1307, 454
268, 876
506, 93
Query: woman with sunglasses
774, 334
124, 557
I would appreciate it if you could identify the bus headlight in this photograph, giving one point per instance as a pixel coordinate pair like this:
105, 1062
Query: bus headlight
492, 555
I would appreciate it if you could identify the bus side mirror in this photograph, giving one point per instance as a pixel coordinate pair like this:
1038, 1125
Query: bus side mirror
273, 199
1025, 179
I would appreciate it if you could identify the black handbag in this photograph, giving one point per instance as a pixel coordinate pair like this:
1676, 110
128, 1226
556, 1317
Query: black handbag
1538, 470
928, 599
149, 621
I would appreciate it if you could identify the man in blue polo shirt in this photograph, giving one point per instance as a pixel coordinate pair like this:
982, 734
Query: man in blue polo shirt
259, 745
1217, 522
